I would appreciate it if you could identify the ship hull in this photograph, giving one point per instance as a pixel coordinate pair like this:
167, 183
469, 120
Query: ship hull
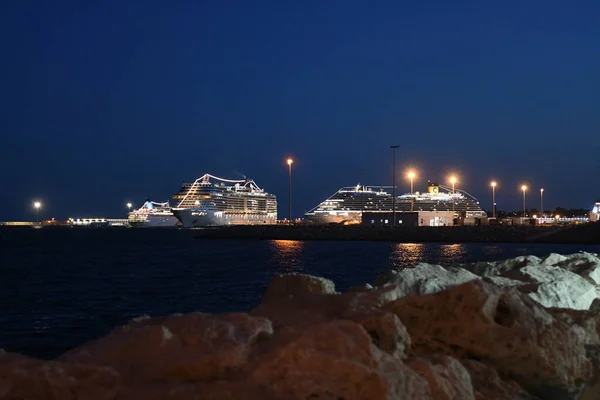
156, 221
335, 218
198, 218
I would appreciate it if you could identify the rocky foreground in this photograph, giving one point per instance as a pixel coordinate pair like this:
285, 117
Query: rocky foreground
526, 328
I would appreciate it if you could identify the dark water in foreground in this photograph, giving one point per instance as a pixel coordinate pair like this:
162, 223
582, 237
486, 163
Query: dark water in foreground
60, 288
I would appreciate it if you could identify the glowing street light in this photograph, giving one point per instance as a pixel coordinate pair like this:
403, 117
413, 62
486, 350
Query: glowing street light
411, 175
289, 163
129, 207
542, 202
524, 189
37, 205
493, 185
453, 181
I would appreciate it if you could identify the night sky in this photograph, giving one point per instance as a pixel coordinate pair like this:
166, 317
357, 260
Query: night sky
105, 102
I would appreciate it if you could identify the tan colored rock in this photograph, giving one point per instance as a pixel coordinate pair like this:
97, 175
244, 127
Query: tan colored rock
333, 360
447, 377
504, 328
386, 329
222, 390
178, 348
22, 377
293, 285
487, 385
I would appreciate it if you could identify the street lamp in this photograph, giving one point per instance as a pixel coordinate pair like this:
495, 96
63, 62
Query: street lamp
493, 184
394, 147
542, 202
129, 207
411, 175
289, 163
453, 182
524, 189
37, 206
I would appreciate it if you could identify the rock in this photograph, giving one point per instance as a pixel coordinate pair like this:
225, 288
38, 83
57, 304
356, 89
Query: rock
423, 279
587, 265
180, 348
487, 385
595, 306
504, 328
559, 287
282, 286
555, 281
222, 390
386, 329
22, 377
448, 379
361, 288
333, 360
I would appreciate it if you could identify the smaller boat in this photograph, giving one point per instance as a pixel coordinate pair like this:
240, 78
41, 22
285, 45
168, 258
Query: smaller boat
152, 215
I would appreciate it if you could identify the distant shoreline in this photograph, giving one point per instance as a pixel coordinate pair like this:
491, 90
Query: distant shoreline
587, 234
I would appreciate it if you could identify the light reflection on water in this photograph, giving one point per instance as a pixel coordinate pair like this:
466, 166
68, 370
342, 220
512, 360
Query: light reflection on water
404, 254
287, 254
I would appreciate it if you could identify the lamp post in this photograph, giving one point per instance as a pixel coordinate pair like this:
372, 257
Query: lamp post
37, 205
394, 147
411, 175
289, 163
494, 184
524, 189
453, 182
129, 207
542, 202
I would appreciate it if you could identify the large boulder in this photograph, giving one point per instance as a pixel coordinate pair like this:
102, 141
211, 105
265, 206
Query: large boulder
504, 328
487, 384
565, 281
333, 360
386, 330
423, 279
286, 285
447, 377
178, 348
22, 377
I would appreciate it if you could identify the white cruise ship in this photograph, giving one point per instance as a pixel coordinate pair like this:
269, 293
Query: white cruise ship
152, 214
214, 201
348, 203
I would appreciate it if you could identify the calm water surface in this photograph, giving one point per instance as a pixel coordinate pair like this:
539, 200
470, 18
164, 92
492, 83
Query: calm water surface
61, 287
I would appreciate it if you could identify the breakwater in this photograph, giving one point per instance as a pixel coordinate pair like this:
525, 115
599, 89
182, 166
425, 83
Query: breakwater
579, 234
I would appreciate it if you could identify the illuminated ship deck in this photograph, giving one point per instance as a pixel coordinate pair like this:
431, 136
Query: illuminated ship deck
348, 203
211, 200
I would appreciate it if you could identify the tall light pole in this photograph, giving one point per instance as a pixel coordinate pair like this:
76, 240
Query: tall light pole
493, 184
129, 207
453, 182
524, 189
37, 206
289, 163
542, 202
411, 175
394, 147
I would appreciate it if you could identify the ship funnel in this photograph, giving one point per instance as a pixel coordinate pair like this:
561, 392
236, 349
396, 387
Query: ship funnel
433, 188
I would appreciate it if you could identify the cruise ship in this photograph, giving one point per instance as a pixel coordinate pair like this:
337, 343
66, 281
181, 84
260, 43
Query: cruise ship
346, 205
152, 214
213, 201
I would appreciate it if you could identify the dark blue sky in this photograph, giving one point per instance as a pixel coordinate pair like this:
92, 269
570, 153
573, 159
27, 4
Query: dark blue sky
104, 102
